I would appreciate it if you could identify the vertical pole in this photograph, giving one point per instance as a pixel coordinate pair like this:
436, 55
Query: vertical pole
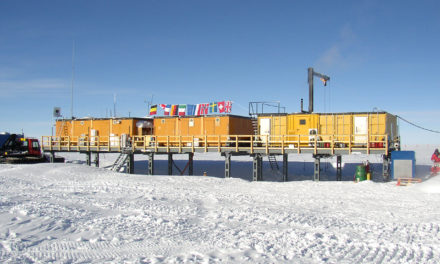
151, 164
96, 161
227, 165
310, 79
51, 157
191, 163
88, 158
170, 164
130, 164
338, 167
285, 167
260, 174
255, 167
317, 169
386, 168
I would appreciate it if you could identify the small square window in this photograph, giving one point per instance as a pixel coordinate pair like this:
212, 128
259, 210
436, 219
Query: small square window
191, 122
302, 121
162, 121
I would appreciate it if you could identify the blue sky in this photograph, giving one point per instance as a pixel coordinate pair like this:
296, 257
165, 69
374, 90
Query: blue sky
379, 54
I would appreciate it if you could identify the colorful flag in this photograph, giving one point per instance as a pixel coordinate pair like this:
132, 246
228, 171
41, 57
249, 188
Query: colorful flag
163, 106
174, 110
167, 110
202, 109
228, 107
221, 107
182, 109
190, 109
153, 110
213, 107
205, 108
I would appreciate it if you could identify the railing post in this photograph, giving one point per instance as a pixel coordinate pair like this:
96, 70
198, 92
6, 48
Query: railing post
206, 144
168, 144
316, 145
299, 142
236, 143
252, 144
218, 142
50, 142
192, 144
267, 144
282, 144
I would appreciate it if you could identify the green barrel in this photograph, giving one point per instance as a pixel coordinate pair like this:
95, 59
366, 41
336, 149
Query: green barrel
360, 175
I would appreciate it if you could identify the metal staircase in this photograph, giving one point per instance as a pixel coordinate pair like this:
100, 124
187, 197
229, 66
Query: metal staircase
120, 162
255, 125
273, 163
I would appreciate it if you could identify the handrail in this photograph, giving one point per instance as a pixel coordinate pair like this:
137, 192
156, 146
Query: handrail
250, 143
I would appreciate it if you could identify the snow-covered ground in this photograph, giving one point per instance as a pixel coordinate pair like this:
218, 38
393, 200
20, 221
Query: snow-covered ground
73, 213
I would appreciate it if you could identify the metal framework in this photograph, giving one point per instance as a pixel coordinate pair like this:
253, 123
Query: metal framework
245, 144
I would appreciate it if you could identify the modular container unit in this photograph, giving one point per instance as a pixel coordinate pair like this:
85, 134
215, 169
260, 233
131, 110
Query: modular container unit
336, 128
403, 164
185, 128
103, 129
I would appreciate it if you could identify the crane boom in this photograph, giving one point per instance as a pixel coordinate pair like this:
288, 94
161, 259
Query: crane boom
311, 74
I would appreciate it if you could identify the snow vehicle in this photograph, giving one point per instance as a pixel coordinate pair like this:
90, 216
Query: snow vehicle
15, 148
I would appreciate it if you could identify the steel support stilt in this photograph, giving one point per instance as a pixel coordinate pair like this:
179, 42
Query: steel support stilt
88, 158
191, 163
51, 157
338, 167
130, 165
317, 169
170, 164
227, 165
96, 160
257, 167
150, 164
285, 167
386, 168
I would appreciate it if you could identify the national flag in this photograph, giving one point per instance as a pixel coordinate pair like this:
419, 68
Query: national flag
228, 106
205, 108
153, 110
174, 110
182, 109
221, 107
163, 106
190, 109
167, 110
213, 107
202, 109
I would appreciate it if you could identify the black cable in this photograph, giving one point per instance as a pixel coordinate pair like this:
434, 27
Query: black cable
430, 130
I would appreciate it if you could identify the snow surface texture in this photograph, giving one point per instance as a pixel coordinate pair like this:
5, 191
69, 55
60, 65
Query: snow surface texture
73, 213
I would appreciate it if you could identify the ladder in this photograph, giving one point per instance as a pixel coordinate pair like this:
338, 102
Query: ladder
120, 162
273, 162
255, 125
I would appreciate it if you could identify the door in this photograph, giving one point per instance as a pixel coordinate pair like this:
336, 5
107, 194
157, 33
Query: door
361, 129
265, 126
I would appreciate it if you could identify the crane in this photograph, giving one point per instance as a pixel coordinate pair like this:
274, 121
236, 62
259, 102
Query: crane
311, 74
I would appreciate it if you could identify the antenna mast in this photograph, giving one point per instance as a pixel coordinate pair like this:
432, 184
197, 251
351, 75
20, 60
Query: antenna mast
73, 75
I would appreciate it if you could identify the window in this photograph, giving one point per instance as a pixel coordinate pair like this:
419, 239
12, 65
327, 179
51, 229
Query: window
302, 121
35, 145
162, 121
217, 121
82, 122
191, 122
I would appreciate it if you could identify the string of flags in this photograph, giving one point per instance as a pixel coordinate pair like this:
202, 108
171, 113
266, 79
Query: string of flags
193, 110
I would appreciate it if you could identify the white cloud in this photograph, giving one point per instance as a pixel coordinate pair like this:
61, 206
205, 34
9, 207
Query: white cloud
337, 55
14, 88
